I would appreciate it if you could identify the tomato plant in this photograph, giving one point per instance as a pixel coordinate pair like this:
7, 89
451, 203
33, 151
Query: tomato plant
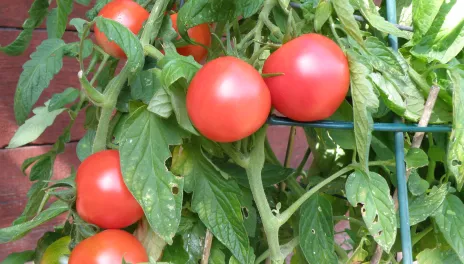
102, 197
227, 100
109, 246
177, 152
315, 77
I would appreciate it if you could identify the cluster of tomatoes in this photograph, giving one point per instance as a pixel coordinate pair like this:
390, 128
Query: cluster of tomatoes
227, 100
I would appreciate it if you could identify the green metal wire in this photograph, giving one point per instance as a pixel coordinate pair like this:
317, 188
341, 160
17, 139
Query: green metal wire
392, 127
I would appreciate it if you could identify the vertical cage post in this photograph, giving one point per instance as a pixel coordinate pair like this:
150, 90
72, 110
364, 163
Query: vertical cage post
399, 157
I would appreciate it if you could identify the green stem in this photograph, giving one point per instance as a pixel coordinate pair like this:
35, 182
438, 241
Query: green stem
153, 52
81, 44
92, 63
154, 21
334, 31
350, 219
270, 223
111, 96
283, 217
341, 253
100, 68
295, 186
263, 17
286, 249
418, 236
241, 160
300, 167
93, 94
237, 34
114, 121
432, 164
290, 145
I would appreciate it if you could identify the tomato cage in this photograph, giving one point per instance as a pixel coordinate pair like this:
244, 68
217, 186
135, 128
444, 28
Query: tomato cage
398, 127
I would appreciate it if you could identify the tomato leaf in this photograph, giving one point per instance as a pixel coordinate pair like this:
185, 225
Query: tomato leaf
37, 73
216, 201
34, 198
19, 257
388, 93
445, 37
423, 15
84, 147
365, 102
450, 220
369, 11
177, 97
176, 67
378, 211
93, 12
345, 12
416, 158
144, 148
58, 18
128, 42
317, 231
416, 185
15, 232
37, 13
176, 253
455, 157
34, 126
343, 138
323, 12
196, 12
421, 207
271, 174
59, 100
42, 169
160, 104
217, 255
144, 86
153, 243
437, 256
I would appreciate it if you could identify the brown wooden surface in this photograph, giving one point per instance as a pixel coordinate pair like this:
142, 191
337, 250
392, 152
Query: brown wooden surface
14, 185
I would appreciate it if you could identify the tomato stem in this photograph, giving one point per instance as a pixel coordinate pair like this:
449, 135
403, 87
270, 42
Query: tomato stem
334, 31
153, 52
100, 68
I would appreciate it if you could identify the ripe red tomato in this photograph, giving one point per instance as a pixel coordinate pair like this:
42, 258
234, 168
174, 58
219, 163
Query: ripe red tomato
109, 247
315, 81
102, 196
228, 100
128, 13
200, 34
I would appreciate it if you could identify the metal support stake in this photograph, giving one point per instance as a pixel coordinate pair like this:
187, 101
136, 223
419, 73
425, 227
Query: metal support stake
400, 165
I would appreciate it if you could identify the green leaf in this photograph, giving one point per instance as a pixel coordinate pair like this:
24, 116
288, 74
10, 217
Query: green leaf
445, 37
423, 15
217, 256
34, 198
365, 102
61, 99
421, 207
271, 174
37, 13
369, 11
416, 185
196, 12
79, 24
42, 169
176, 67
93, 12
416, 158
359, 254
160, 104
15, 232
84, 147
382, 146
145, 85
455, 157
378, 211
193, 242
177, 96
250, 216
343, 138
34, 126
58, 18
436, 256
388, 93
126, 40
83, 2
323, 12
317, 231
450, 220
436, 154
37, 73
216, 202
153, 243
72, 50
144, 148
19, 257
345, 12
382, 57
175, 253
